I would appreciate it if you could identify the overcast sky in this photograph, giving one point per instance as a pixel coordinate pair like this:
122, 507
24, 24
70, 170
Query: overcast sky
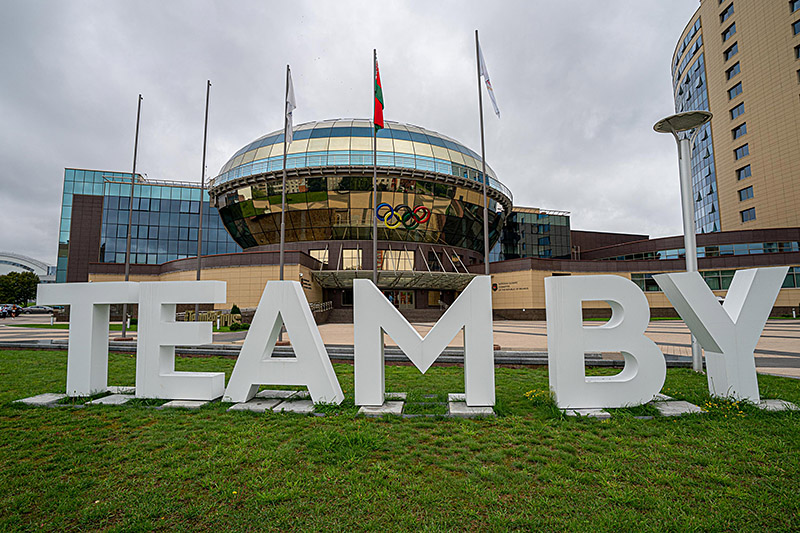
579, 85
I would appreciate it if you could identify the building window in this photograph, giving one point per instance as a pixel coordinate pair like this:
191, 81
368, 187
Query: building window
740, 130
748, 214
732, 51
736, 111
396, 259
727, 34
351, 259
725, 15
319, 255
746, 193
796, 27
735, 91
797, 52
744, 172
733, 71
741, 151
794, 5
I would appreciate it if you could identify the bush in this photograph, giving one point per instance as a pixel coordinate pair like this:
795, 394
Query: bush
236, 326
133, 322
235, 310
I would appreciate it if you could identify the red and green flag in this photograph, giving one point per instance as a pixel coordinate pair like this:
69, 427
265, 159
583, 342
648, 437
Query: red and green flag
378, 117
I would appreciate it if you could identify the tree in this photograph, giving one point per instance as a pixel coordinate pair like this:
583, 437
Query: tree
18, 287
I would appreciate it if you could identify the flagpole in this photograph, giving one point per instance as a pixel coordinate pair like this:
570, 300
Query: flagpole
483, 162
202, 190
283, 189
130, 219
374, 174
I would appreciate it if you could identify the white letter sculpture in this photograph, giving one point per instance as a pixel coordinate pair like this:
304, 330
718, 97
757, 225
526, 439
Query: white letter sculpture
567, 341
729, 332
373, 315
158, 335
87, 352
284, 302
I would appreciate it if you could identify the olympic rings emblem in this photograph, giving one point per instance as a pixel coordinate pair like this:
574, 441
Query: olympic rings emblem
410, 218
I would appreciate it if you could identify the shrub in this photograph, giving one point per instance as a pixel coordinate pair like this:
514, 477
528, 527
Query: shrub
235, 310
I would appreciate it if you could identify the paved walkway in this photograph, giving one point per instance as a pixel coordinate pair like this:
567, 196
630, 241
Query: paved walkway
777, 352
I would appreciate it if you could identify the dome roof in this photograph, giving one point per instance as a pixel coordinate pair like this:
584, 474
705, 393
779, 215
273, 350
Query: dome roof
348, 142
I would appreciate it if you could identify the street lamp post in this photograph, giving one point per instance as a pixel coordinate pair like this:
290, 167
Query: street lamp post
675, 124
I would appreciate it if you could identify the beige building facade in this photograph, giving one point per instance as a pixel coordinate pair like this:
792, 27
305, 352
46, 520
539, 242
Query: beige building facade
740, 59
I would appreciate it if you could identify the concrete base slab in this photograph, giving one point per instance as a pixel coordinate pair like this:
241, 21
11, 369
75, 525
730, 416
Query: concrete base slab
256, 405
301, 395
113, 399
777, 405
676, 408
462, 410
457, 397
600, 414
304, 407
388, 408
399, 396
48, 398
121, 389
661, 398
277, 394
184, 404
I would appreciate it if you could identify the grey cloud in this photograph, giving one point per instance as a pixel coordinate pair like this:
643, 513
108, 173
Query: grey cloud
579, 85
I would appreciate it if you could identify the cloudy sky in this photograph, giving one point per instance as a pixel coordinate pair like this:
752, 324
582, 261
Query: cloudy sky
579, 85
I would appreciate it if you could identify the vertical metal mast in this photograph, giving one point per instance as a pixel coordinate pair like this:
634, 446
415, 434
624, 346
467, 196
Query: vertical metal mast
130, 216
283, 188
483, 163
374, 173
202, 193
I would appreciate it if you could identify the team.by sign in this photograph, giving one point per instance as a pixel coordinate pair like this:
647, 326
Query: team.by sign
727, 332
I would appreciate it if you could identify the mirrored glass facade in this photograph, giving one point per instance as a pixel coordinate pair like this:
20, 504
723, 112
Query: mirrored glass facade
348, 142
691, 94
164, 224
428, 188
531, 232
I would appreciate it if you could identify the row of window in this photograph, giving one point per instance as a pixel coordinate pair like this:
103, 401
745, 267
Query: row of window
717, 280
324, 131
752, 248
689, 36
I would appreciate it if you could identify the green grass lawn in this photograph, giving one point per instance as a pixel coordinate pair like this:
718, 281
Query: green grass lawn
134, 468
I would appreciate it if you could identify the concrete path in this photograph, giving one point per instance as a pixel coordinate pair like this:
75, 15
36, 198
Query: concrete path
777, 352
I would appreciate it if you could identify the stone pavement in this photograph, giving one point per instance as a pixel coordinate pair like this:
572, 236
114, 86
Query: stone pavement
777, 352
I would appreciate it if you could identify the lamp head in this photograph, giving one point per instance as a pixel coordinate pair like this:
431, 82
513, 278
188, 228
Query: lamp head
682, 122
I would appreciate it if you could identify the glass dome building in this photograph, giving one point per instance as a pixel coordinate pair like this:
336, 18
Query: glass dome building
429, 190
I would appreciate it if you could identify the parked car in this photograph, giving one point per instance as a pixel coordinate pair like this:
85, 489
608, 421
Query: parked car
38, 309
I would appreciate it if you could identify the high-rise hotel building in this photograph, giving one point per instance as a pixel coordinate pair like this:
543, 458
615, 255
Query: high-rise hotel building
740, 60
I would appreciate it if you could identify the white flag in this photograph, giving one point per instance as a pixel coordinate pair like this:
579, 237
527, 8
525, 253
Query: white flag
485, 74
291, 105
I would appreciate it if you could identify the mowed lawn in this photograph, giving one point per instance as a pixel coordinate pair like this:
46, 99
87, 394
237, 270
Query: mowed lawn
136, 468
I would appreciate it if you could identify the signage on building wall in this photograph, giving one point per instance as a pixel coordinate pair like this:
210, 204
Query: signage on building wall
509, 286
727, 332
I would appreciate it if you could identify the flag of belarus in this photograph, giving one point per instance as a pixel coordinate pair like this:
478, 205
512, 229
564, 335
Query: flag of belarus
378, 117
